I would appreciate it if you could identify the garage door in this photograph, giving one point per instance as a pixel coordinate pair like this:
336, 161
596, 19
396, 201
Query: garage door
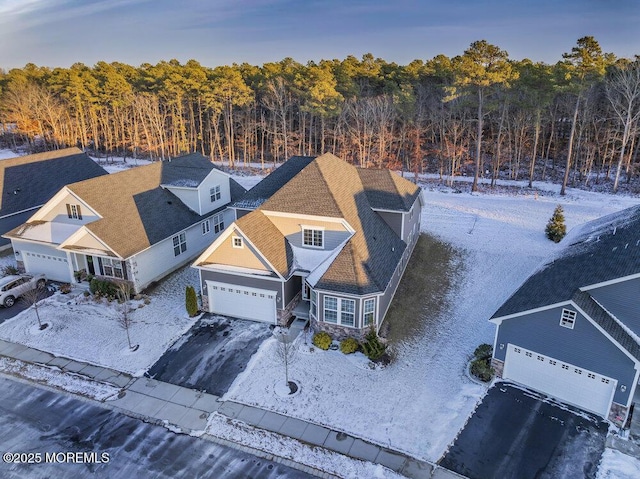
242, 302
570, 384
53, 267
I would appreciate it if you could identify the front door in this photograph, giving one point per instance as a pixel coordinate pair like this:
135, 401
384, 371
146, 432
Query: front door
90, 267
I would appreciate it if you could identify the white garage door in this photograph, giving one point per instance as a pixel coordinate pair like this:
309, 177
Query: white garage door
53, 267
570, 384
242, 302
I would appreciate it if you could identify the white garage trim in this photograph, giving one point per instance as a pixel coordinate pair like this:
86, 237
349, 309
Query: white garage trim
569, 383
242, 302
52, 266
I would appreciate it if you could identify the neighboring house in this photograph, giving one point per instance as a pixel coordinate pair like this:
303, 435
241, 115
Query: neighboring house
28, 182
572, 330
139, 224
330, 244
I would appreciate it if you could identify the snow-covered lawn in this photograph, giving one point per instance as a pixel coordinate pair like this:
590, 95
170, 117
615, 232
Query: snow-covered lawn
420, 402
616, 465
81, 329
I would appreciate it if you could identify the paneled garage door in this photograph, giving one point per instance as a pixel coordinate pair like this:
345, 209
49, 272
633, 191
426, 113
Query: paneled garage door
242, 302
571, 384
53, 267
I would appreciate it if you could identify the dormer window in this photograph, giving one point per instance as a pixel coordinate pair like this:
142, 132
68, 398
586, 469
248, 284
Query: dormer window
313, 237
215, 193
73, 212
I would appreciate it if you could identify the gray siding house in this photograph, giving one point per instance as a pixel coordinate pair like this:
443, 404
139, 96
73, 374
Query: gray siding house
324, 241
572, 330
28, 182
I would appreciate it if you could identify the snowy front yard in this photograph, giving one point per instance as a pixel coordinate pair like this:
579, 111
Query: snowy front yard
420, 402
84, 330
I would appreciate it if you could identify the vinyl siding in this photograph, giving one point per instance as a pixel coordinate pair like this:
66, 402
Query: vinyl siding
250, 282
622, 300
58, 213
245, 257
583, 346
412, 221
291, 228
214, 178
292, 287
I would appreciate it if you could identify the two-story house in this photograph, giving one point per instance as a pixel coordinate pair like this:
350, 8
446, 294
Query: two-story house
139, 224
326, 241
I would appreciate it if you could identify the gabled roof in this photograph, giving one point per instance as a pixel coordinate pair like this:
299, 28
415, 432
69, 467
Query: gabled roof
30, 181
136, 212
331, 187
388, 191
602, 250
268, 240
272, 183
188, 171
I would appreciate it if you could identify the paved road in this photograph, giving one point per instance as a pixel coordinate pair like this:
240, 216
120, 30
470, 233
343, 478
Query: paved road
211, 354
34, 420
513, 434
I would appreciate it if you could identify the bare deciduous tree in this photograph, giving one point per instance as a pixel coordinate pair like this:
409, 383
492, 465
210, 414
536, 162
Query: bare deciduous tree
286, 350
31, 298
125, 320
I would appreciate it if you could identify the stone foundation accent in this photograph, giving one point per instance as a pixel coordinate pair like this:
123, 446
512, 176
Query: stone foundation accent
20, 266
205, 303
337, 332
618, 414
283, 315
498, 367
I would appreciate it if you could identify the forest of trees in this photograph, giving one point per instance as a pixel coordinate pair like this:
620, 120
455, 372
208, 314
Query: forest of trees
479, 113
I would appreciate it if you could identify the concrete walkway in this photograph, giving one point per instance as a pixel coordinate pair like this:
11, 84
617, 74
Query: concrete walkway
189, 410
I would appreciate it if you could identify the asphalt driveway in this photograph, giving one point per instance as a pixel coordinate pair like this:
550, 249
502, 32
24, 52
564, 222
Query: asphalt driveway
211, 354
20, 305
514, 433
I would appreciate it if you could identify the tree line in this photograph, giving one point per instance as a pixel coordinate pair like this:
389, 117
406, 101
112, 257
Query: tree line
478, 113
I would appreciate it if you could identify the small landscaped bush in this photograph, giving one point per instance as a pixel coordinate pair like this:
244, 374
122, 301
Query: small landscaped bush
481, 364
65, 288
349, 346
9, 270
103, 288
191, 301
556, 228
322, 340
372, 347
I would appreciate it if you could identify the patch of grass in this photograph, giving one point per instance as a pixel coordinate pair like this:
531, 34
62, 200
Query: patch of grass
422, 292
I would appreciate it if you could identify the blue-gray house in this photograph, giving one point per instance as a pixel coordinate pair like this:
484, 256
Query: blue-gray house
28, 182
572, 330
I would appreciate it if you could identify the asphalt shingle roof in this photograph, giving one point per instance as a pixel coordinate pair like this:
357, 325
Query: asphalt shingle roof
604, 249
188, 170
273, 182
329, 186
30, 181
388, 191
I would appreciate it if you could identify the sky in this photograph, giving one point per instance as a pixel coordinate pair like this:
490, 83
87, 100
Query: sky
221, 32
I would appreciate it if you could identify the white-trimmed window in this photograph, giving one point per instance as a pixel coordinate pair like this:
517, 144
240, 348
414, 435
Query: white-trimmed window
218, 223
237, 242
347, 312
313, 237
74, 211
368, 311
330, 309
568, 318
112, 267
314, 305
215, 193
339, 311
206, 227
179, 244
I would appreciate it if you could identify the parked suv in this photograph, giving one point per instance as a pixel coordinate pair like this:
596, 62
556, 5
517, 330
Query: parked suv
14, 286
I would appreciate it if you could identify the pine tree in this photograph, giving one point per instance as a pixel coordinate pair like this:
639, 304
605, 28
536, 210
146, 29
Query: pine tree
556, 229
191, 301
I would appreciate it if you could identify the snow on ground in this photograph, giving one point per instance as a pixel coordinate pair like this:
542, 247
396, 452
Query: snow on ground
616, 465
336, 464
54, 377
7, 153
420, 402
247, 182
81, 329
113, 164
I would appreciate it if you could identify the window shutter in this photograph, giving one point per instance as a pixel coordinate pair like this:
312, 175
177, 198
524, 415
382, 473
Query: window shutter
69, 210
100, 265
124, 270
79, 213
